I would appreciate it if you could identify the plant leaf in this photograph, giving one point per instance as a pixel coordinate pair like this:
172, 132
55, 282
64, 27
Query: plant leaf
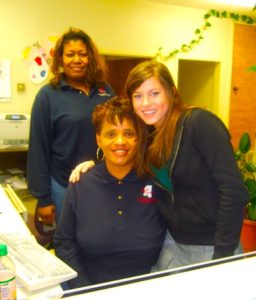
252, 68
251, 186
237, 155
245, 143
249, 21
244, 18
250, 166
224, 14
251, 211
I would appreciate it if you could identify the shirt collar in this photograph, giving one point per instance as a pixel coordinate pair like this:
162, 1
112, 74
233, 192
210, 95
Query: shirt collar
64, 84
107, 177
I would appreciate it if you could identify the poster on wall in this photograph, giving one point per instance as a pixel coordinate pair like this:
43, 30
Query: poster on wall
5, 80
38, 58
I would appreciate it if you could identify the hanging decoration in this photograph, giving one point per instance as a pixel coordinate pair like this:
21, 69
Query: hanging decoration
38, 58
199, 32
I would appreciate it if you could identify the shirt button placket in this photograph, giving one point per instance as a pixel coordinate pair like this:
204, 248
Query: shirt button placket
120, 197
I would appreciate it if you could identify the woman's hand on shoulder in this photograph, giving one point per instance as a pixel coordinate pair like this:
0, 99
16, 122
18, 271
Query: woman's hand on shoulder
81, 168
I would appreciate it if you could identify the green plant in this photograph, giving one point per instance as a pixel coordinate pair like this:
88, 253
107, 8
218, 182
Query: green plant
248, 170
199, 32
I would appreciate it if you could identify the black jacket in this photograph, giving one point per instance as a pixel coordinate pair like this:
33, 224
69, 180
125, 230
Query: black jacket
209, 194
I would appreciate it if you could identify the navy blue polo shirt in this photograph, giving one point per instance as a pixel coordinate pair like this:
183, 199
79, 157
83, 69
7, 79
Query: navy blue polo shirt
114, 224
61, 135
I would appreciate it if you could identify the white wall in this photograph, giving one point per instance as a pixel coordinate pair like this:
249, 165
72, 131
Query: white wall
122, 27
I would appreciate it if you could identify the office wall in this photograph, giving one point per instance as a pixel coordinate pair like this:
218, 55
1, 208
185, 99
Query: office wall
119, 27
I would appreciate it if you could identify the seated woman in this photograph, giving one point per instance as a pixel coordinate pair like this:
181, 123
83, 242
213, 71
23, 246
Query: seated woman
110, 227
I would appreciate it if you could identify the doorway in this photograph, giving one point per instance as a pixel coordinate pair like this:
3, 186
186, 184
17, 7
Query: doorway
198, 83
119, 68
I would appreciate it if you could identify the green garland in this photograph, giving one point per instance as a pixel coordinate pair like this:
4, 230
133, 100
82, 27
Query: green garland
200, 31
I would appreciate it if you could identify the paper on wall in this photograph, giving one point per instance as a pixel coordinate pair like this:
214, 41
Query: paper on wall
5, 80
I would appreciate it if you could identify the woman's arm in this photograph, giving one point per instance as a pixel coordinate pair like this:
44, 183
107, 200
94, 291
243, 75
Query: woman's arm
65, 242
212, 140
39, 153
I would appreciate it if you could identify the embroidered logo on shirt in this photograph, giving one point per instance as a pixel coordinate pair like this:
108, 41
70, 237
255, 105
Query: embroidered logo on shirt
147, 191
147, 195
102, 92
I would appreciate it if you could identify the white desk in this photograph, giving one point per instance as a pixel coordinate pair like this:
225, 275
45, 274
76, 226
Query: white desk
12, 222
10, 219
232, 280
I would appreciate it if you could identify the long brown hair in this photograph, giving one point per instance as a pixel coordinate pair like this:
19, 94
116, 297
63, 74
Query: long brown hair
116, 110
96, 69
159, 150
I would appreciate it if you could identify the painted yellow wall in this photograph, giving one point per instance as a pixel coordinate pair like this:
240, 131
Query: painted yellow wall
120, 27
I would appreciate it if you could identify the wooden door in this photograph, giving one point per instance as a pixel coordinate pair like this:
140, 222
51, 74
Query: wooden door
119, 69
243, 89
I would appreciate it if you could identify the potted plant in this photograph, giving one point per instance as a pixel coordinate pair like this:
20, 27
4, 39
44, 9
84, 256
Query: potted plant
247, 167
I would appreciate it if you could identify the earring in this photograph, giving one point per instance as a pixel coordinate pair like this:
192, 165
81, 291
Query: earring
99, 154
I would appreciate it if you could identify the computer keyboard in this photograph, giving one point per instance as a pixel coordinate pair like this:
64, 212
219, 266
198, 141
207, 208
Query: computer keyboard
36, 267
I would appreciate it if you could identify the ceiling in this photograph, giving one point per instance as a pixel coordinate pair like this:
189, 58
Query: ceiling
241, 6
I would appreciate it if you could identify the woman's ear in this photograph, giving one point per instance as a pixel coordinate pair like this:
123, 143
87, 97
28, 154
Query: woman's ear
98, 140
